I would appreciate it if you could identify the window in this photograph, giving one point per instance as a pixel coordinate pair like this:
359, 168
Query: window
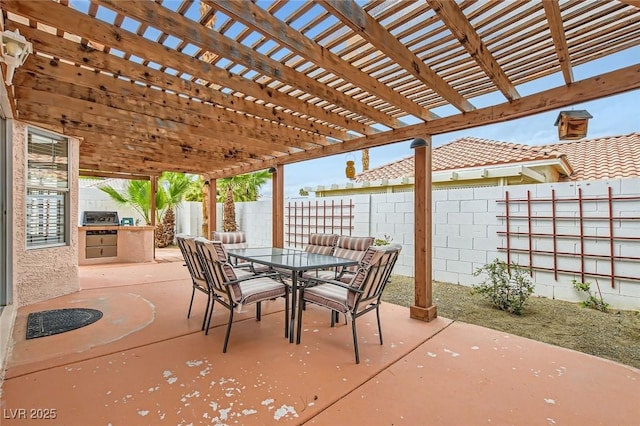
47, 190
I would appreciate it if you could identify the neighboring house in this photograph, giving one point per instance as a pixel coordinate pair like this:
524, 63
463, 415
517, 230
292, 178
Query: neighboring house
469, 162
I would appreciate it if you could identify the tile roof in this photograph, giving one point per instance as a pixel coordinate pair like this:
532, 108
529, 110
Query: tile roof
609, 157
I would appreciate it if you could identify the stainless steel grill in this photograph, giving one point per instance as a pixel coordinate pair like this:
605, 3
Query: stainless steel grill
90, 218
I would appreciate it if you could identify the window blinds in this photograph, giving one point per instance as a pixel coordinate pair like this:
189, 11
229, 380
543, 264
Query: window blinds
47, 190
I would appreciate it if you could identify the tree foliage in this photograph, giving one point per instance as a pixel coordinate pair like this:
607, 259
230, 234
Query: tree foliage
137, 195
245, 187
236, 189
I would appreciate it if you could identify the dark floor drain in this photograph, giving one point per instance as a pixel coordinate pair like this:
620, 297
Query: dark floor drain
47, 323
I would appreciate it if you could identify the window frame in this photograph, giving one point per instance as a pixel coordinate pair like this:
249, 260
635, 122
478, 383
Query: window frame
64, 192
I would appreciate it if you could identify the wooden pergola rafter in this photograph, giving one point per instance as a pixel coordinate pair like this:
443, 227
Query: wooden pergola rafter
222, 87
320, 77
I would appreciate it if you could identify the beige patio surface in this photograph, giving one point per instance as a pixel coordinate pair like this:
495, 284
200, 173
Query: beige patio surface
145, 363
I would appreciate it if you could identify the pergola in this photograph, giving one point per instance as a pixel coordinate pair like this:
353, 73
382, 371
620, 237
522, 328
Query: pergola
221, 88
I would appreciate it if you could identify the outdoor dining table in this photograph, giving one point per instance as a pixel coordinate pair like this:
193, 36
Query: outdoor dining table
296, 261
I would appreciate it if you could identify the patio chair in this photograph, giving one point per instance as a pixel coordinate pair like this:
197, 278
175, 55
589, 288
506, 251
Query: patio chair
318, 244
233, 291
347, 247
321, 243
235, 239
361, 295
192, 262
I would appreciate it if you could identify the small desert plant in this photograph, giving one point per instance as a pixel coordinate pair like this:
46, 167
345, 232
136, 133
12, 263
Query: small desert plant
507, 286
593, 301
384, 241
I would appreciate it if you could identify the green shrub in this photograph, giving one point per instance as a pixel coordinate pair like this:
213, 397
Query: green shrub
384, 241
592, 301
506, 286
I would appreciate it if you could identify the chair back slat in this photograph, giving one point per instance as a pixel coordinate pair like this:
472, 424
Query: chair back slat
187, 246
218, 270
321, 243
352, 248
211, 265
373, 274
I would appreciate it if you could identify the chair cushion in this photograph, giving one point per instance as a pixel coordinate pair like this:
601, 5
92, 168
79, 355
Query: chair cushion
331, 296
235, 239
258, 289
321, 243
352, 248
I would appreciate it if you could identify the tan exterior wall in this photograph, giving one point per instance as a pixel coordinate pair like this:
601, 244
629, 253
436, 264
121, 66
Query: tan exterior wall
40, 274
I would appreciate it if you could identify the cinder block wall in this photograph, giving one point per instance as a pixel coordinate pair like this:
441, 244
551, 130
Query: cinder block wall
465, 232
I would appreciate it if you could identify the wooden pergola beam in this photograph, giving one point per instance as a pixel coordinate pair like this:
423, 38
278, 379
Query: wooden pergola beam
112, 175
74, 52
260, 20
121, 137
461, 28
554, 17
611, 83
234, 127
368, 28
73, 117
60, 16
105, 90
206, 38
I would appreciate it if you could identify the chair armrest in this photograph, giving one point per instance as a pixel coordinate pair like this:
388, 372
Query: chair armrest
316, 281
251, 277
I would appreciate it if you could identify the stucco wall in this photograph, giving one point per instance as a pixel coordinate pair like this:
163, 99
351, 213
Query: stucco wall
44, 273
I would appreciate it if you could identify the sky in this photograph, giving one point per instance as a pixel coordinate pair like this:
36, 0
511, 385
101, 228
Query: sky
614, 115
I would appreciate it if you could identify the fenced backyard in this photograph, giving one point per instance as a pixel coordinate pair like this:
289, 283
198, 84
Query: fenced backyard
595, 233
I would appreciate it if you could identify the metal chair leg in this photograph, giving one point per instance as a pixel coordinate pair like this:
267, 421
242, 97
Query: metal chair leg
258, 311
300, 309
379, 324
193, 293
355, 340
286, 312
209, 315
226, 338
206, 312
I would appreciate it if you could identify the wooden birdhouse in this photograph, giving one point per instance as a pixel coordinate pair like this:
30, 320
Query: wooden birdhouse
572, 124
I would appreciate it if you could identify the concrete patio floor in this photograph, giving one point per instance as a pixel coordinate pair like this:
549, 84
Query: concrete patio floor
145, 363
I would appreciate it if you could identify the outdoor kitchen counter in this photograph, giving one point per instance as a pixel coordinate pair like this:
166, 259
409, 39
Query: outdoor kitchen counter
130, 244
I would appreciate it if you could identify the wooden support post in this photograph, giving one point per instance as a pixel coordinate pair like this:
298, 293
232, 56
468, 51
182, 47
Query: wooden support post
424, 309
277, 219
212, 209
152, 209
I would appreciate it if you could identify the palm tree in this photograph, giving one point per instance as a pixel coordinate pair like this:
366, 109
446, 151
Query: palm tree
239, 188
137, 194
174, 186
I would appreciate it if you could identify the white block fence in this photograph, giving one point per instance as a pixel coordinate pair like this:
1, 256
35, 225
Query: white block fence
465, 232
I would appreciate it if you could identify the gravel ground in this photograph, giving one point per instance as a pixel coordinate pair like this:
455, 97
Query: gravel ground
614, 335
